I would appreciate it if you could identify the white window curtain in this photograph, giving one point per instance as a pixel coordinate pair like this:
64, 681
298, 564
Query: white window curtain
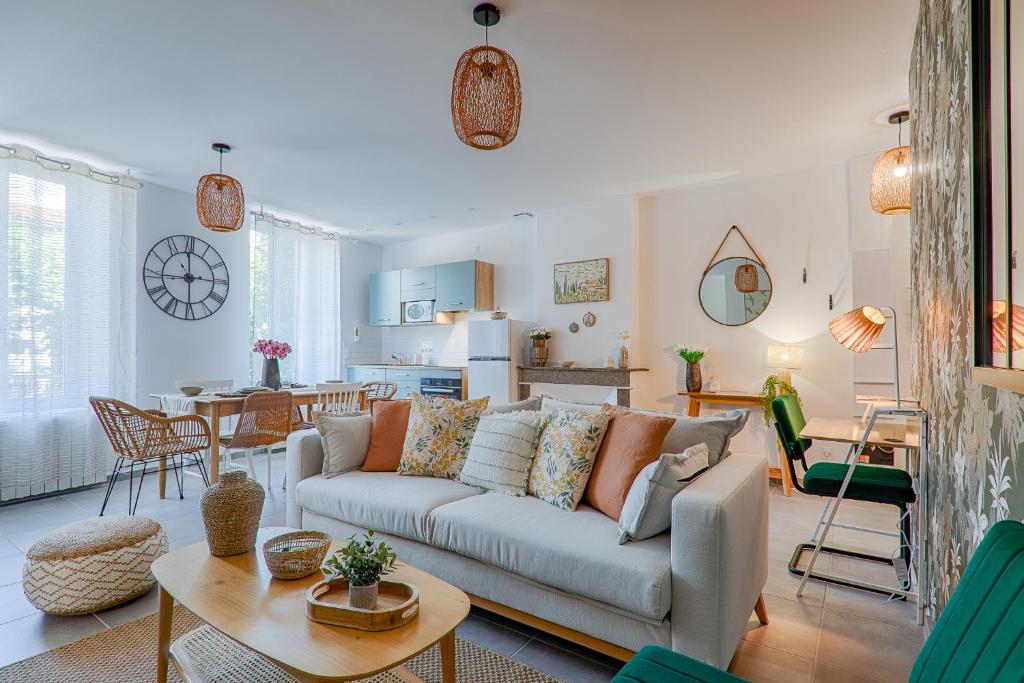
67, 318
295, 292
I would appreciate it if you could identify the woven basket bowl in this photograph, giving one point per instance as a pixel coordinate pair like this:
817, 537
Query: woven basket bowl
296, 554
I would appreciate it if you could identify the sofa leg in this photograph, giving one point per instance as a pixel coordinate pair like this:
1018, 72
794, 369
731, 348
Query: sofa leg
760, 610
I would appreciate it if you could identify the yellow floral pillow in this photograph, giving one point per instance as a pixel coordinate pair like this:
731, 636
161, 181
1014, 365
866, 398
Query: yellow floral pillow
438, 437
565, 455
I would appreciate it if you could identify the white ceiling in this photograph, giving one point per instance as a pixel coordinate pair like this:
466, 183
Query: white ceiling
339, 110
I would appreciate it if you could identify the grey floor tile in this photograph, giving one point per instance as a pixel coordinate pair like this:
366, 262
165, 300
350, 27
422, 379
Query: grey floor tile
10, 569
13, 603
869, 648
864, 603
491, 636
503, 622
823, 673
563, 665
761, 664
584, 652
7, 548
40, 632
792, 627
142, 606
45, 513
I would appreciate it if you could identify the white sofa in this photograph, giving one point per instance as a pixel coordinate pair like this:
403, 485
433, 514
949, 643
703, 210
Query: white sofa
691, 589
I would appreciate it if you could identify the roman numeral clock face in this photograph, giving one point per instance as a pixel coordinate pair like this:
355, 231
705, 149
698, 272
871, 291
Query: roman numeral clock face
185, 277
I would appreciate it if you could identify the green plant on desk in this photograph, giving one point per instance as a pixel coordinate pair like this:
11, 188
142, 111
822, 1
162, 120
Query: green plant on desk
774, 386
362, 562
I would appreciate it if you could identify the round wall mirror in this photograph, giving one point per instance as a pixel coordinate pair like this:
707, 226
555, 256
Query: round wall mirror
735, 290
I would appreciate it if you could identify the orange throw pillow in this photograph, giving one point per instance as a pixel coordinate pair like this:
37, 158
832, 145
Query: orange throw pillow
387, 435
632, 442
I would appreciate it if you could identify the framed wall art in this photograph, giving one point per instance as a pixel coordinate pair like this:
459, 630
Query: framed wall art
579, 282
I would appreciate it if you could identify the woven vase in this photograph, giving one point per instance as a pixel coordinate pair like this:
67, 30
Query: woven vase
539, 353
231, 514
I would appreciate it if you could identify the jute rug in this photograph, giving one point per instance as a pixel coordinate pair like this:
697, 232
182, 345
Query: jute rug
127, 654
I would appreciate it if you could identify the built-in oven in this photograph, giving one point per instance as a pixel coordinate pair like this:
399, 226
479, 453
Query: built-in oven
437, 386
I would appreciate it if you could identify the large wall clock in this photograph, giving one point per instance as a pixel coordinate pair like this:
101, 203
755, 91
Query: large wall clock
186, 277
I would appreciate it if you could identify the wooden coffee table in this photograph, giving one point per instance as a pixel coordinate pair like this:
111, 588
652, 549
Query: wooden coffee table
238, 597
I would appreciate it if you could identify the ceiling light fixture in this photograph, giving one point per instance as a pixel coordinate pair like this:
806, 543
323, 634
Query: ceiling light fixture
486, 95
890, 177
220, 202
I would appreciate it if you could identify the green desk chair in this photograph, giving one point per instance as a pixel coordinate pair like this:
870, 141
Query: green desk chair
870, 483
979, 636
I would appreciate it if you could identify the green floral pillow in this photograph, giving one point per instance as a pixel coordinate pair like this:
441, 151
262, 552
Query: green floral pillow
438, 437
565, 455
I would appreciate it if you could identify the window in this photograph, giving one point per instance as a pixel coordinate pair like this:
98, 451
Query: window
294, 296
67, 317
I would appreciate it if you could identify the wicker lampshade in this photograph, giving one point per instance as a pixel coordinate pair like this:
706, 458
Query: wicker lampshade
486, 98
890, 182
746, 278
858, 329
220, 202
999, 327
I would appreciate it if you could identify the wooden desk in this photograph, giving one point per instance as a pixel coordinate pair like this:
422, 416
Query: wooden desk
902, 433
237, 596
732, 398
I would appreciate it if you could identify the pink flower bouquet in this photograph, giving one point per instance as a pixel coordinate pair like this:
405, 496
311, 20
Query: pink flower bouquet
272, 349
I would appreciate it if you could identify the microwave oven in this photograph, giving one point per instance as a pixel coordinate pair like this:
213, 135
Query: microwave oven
417, 312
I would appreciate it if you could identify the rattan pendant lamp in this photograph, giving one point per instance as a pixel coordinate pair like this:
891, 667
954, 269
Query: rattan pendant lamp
220, 202
486, 95
890, 176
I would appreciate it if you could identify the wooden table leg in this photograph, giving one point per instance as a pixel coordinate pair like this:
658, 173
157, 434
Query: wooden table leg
163, 642
163, 476
694, 408
448, 658
214, 442
787, 480
760, 610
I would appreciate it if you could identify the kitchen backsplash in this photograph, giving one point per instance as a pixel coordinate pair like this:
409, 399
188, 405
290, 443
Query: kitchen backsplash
449, 342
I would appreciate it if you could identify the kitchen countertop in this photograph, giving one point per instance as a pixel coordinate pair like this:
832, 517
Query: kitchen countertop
409, 367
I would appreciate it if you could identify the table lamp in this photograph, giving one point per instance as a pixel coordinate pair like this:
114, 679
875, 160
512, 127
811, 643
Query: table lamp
858, 330
785, 358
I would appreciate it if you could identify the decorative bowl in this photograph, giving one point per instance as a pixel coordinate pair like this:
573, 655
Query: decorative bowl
296, 554
191, 391
566, 363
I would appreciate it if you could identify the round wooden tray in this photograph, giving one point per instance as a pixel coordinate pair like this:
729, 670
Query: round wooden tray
398, 603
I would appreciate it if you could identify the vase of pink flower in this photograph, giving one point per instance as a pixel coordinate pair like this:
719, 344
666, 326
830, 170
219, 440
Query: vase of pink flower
273, 353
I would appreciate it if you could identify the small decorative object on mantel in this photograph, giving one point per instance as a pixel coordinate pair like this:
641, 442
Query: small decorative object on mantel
231, 514
296, 554
623, 336
589, 319
273, 353
581, 281
499, 314
693, 357
574, 327
539, 350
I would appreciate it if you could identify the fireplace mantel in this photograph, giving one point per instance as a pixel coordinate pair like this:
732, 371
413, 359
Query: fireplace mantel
615, 378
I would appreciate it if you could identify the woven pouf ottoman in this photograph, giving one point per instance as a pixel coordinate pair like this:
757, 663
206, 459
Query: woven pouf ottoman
93, 565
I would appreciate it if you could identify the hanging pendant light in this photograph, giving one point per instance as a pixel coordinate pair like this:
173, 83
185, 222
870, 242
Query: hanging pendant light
746, 278
486, 95
890, 177
220, 202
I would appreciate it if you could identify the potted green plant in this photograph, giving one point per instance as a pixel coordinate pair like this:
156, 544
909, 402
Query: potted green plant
774, 386
362, 562
693, 357
539, 351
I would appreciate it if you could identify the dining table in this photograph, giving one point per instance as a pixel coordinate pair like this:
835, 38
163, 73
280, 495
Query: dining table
215, 406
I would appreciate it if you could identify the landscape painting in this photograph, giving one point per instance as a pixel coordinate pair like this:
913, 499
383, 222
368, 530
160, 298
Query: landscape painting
581, 281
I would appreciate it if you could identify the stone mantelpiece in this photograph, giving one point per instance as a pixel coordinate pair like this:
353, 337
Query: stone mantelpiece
615, 378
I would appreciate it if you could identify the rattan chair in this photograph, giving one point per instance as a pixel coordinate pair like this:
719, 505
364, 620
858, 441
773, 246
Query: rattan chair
265, 420
379, 391
140, 437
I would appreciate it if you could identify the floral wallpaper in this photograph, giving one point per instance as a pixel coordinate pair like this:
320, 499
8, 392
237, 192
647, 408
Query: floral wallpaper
977, 433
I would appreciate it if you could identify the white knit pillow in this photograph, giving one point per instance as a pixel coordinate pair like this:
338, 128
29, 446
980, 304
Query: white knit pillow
502, 451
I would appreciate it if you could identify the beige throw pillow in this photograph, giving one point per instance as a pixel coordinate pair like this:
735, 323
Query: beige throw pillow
502, 451
648, 508
345, 439
565, 455
438, 437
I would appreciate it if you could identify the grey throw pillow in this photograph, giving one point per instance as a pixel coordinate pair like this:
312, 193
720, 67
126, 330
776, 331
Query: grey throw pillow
345, 438
532, 403
647, 511
502, 452
715, 431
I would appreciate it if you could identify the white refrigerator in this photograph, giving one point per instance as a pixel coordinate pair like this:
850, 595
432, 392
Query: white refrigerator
495, 353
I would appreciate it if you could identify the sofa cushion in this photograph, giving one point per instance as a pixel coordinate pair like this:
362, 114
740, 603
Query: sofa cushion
382, 501
502, 452
565, 455
387, 434
577, 552
438, 437
345, 439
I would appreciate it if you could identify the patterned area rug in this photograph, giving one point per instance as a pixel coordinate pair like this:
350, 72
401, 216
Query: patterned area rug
127, 654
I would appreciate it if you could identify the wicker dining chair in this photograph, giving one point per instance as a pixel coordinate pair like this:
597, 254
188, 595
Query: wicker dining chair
265, 420
379, 391
140, 437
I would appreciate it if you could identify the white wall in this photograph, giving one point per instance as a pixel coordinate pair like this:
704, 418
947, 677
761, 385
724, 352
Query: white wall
170, 349
217, 347
794, 221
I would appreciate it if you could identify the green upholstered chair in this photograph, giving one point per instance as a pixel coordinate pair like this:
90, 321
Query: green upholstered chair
979, 635
870, 483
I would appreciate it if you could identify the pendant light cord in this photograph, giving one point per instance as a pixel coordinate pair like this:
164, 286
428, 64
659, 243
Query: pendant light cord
899, 134
487, 39
221, 152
